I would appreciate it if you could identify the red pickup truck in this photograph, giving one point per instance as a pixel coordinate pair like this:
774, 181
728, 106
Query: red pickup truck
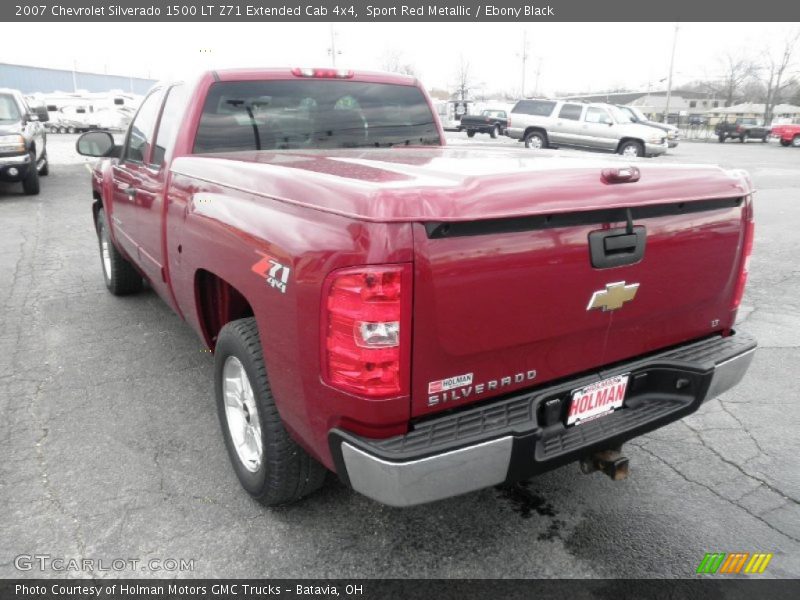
424, 321
789, 134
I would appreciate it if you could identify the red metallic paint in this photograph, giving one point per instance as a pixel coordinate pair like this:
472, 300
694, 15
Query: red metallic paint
492, 305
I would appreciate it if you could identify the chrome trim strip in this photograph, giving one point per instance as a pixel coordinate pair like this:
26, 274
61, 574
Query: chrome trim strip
428, 479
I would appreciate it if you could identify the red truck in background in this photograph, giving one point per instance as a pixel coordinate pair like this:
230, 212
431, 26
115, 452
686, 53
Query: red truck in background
788, 134
424, 321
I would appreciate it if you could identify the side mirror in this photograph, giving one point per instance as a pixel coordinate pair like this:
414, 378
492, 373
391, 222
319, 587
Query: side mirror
41, 112
97, 143
33, 118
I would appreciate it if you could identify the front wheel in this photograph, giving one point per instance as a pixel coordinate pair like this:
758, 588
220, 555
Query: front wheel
535, 140
494, 132
796, 141
30, 185
785, 143
470, 133
120, 276
631, 148
268, 462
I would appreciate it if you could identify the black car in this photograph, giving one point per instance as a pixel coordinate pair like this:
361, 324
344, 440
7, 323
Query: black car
494, 122
742, 130
23, 141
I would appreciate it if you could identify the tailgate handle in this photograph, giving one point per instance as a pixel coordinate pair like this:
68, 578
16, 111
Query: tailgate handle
617, 247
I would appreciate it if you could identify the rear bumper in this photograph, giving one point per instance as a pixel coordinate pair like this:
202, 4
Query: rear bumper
518, 437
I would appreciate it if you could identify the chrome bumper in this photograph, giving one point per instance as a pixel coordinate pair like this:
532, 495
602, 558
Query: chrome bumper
444, 473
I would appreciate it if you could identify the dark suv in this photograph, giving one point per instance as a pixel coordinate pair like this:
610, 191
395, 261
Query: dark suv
23, 139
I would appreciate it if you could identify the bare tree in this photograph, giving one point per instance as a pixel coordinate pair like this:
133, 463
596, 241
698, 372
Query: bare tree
777, 67
393, 62
464, 80
736, 70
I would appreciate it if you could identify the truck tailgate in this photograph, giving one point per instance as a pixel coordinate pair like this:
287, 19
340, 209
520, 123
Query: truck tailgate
504, 304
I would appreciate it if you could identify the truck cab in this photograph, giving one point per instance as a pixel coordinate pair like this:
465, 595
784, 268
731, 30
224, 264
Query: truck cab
23, 141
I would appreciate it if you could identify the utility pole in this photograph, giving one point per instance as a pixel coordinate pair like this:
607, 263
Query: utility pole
524, 57
538, 72
669, 80
332, 49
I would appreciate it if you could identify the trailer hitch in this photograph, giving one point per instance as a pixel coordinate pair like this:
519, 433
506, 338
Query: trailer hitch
611, 462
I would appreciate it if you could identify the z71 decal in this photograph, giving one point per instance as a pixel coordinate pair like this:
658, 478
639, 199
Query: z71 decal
275, 273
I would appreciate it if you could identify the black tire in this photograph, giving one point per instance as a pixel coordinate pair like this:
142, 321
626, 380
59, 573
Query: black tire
470, 133
30, 185
44, 171
785, 143
721, 138
494, 132
120, 276
631, 148
286, 472
536, 140
796, 141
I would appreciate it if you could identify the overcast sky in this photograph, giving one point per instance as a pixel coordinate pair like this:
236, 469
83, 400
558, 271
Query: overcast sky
574, 56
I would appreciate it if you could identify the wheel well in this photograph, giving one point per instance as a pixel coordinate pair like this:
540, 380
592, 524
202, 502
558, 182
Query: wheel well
218, 303
629, 139
530, 130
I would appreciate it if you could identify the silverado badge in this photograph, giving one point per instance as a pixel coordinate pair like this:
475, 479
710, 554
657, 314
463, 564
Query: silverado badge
614, 296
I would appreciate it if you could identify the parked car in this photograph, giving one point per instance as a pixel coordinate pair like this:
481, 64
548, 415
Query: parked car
788, 134
491, 121
23, 141
423, 321
742, 129
543, 123
698, 121
637, 116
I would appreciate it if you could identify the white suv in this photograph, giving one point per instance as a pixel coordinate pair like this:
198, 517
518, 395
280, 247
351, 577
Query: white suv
543, 123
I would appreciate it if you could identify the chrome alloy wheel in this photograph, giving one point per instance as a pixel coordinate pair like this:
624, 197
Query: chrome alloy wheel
241, 414
630, 150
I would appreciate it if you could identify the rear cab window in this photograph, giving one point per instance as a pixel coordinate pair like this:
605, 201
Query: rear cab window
537, 108
312, 114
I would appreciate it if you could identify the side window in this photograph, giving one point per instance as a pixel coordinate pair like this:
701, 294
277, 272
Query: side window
597, 115
168, 125
140, 136
538, 108
571, 112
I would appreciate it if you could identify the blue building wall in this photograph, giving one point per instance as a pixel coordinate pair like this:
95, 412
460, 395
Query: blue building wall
37, 79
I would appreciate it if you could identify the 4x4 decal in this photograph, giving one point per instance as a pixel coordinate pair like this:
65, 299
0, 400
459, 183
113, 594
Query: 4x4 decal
275, 273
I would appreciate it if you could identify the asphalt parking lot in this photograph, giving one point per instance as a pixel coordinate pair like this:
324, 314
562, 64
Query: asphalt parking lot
111, 447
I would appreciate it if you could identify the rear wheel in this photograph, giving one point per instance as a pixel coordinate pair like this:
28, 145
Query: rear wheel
494, 132
120, 276
796, 141
470, 133
786, 143
535, 140
631, 148
269, 463
44, 170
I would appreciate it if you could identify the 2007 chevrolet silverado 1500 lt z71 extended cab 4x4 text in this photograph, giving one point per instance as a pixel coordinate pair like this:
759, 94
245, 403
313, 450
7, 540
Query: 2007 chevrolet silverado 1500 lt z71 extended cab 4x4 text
423, 321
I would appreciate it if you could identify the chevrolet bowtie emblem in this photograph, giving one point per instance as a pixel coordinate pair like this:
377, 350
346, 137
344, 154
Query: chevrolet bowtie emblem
614, 296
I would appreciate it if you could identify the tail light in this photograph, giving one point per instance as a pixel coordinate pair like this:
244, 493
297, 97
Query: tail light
367, 330
323, 73
747, 250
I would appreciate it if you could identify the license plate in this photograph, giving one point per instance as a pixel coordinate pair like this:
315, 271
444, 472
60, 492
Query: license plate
597, 400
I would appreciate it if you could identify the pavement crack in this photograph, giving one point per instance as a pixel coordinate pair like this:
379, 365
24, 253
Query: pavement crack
728, 412
713, 491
